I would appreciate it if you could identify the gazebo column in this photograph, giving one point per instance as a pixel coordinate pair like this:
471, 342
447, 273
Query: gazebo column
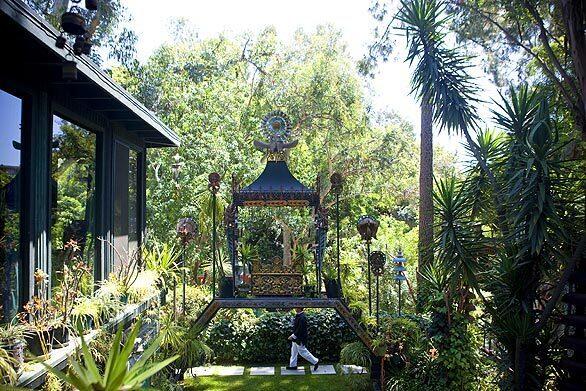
231, 225
321, 231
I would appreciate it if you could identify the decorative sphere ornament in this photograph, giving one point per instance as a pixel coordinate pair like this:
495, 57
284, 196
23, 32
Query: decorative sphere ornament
367, 227
186, 229
337, 181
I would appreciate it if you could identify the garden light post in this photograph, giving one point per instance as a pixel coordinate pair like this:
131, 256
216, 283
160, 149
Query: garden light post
214, 186
186, 231
336, 181
399, 270
367, 227
377, 261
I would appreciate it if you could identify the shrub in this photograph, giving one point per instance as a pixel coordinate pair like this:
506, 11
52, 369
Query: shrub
245, 338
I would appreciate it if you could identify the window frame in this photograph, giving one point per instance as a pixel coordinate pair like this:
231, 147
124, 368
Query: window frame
25, 213
76, 119
140, 198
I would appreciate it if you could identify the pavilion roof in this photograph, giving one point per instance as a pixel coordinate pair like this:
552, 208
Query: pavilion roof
276, 186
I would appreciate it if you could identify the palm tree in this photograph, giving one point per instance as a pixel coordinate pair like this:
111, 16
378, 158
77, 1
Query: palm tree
440, 77
522, 214
425, 243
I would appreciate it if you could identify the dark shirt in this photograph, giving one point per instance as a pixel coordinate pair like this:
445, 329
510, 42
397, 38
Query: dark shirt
300, 328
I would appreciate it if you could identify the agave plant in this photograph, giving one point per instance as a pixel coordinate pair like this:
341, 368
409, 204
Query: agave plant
162, 259
84, 374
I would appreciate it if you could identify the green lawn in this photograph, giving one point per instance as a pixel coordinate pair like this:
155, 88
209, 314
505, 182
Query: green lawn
279, 383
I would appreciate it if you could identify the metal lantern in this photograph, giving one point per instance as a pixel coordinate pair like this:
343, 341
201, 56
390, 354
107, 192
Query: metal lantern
377, 261
337, 182
367, 227
399, 267
377, 265
186, 229
399, 270
214, 182
69, 71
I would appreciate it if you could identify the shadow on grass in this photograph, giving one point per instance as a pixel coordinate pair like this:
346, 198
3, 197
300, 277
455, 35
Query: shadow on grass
280, 383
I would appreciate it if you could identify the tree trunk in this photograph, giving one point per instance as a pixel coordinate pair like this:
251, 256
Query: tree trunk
574, 14
426, 187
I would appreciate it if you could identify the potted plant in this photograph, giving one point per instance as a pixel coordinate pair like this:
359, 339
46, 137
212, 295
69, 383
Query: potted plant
162, 259
86, 314
118, 373
68, 291
8, 375
330, 281
226, 286
225, 281
38, 316
12, 340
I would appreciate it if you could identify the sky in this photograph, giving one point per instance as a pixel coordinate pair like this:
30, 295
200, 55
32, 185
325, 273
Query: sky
389, 90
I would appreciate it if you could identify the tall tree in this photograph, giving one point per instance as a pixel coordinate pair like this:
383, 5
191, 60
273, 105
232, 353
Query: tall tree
381, 49
539, 40
425, 245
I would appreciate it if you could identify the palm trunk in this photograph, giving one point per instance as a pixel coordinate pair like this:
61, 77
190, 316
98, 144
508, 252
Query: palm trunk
426, 187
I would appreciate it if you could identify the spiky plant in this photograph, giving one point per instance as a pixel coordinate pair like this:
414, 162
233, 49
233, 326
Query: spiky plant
84, 374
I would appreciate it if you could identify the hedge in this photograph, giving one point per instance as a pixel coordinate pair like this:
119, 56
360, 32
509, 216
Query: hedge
243, 337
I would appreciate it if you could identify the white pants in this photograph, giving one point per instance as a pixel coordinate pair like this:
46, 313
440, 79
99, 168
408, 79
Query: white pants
297, 349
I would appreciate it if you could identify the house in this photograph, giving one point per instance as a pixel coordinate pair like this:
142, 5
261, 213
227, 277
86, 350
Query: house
73, 147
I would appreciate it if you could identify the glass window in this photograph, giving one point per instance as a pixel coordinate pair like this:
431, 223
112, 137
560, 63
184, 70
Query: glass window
126, 206
73, 189
10, 202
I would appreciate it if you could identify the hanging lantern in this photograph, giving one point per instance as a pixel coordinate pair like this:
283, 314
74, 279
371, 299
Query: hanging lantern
399, 267
186, 230
73, 22
214, 182
377, 261
367, 227
91, 5
69, 70
337, 181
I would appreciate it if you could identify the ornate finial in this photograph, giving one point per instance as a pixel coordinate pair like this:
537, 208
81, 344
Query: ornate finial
235, 183
230, 217
321, 218
214, 182
186, 229
276, 127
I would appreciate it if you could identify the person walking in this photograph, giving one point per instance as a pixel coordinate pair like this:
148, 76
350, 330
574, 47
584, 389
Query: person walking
299, 342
